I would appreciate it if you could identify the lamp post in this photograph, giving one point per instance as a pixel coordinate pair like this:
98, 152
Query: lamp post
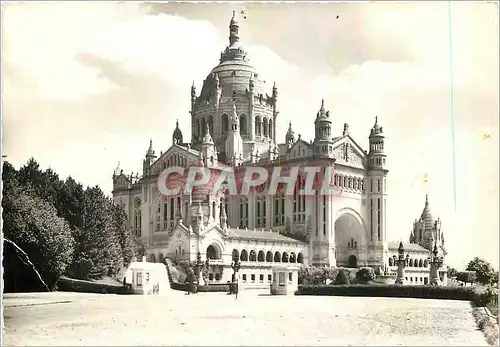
235, 265
199, 264
401, 261
435, 262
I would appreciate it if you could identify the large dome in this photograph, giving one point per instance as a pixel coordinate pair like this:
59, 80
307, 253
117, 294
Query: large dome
234, 71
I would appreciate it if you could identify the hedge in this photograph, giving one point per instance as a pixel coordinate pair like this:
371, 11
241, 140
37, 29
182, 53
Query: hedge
479, 296
219, 287
66, 284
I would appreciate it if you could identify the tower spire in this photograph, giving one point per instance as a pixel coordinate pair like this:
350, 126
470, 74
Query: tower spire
233, 30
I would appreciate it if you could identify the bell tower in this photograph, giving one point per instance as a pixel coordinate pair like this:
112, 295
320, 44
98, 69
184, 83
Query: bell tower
376, 191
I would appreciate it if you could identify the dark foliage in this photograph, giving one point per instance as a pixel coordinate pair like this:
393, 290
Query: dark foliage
365, 275
485, 274
58, 223
478, 295
34, 226
466, 276
341, 278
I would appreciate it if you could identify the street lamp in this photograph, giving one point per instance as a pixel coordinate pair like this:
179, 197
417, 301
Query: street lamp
435, 262
198, 266
401, 262
235, 265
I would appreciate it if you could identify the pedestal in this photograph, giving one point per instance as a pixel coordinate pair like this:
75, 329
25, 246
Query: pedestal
401, 274
434, 276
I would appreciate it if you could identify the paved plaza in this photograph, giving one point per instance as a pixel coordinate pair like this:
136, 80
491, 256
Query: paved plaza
255, 318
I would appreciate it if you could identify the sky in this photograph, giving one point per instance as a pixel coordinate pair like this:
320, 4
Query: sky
86, 85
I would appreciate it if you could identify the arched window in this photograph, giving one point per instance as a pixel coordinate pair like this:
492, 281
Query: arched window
235, 254
257, 126
137, 217
243, 213
225, 123
292, 258
265, 127
300, 258
261, 256
244, 255
269, 256
211, 123
270, 132
203, 126
390, 261
277, 257
284, 258
243, 125
253, 255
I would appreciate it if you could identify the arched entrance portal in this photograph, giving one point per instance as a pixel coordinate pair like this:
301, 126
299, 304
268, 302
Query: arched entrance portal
350, 239
352, 261
213, 252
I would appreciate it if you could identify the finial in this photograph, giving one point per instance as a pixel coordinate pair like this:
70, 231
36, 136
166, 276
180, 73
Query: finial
177, 123
427, 199
376, 120
322, 103
290, 124
346, 129
150, 149
234, 14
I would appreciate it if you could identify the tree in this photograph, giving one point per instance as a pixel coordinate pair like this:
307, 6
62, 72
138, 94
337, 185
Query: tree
466, 276
365, 274
123, 232
98, 245
33, 225
69, 202
452, 272
484, 271
341, 278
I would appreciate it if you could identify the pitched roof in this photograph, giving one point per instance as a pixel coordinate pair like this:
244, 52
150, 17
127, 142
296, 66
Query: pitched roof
267, 235
408, 247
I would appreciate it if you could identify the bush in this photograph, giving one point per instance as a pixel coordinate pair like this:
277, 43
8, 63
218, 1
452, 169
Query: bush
220, 287
365, 275
477, 295
466, 276
341, 278
66, 284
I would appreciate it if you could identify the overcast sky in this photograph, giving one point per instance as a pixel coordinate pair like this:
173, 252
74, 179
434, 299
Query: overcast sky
85, 85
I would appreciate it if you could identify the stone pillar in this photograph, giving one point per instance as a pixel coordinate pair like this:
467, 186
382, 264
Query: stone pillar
434, 275
435, 262
401, 261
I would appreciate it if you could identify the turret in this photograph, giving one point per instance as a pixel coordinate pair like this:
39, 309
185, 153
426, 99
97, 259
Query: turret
194, 124
323, 133
148, 159
275, 112
207, 148
223, 217
376, 188
234, 142
290, 137
233, 30
177, 135
427, 230
376, 156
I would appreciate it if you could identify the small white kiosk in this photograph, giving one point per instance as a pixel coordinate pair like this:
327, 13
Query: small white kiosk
147, 278
285, 280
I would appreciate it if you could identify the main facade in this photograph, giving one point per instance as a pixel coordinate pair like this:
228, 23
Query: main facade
233, 124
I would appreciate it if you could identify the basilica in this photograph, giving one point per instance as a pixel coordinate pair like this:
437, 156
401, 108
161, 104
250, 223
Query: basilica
233, 124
